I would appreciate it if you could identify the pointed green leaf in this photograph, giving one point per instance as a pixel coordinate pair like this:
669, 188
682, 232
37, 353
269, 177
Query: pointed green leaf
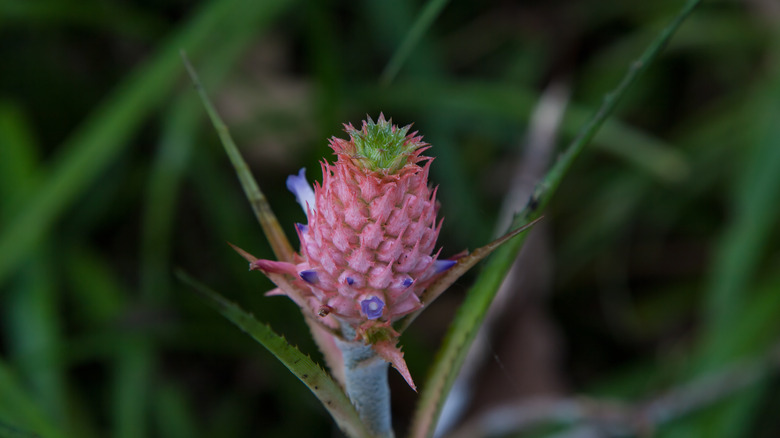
463, 264
265, 215
315, 378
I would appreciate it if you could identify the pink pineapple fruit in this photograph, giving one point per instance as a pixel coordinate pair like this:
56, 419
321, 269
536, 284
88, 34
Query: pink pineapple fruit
367, 252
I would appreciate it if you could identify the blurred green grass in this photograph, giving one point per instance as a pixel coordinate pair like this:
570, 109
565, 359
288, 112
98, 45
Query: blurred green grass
110, 177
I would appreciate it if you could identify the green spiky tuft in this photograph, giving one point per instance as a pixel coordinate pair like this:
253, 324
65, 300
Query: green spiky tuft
381, 146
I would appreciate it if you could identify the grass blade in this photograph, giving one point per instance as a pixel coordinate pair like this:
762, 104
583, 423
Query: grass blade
132, 373
179, 133
7, 431
17, 405
106, 132
472, 311
423, 22
746, 238
731, 289
175, 417
33, 325
263, 212
315, 378
265, 215
462, 265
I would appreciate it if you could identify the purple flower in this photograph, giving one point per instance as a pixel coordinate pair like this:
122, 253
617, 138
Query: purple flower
310, 276
372, 307
440, 266
302, 190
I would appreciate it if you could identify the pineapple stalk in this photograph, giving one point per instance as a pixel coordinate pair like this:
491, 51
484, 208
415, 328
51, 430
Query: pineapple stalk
365, 379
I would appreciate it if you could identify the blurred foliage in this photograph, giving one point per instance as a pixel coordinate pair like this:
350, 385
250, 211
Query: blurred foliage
666, 262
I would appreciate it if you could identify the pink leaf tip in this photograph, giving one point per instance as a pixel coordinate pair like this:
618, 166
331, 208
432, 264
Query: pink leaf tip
388, 350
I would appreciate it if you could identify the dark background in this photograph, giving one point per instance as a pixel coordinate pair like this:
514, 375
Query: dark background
656, 264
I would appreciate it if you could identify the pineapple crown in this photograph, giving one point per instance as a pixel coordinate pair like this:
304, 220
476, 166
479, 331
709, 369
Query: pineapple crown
381, 146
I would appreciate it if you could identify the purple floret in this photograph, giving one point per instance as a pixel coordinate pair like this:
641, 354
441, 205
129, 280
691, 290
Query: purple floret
372, 307
310, 276
440, 266
302, 190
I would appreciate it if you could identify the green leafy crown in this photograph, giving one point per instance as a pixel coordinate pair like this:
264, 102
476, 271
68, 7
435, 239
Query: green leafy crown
382, 146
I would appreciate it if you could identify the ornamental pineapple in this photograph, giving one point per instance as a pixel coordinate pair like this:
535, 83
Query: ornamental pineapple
367, 252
